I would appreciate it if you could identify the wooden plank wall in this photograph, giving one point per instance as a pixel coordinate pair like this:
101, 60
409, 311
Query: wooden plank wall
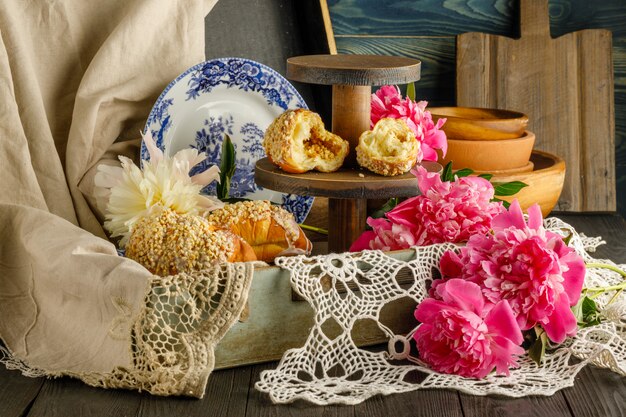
426, 29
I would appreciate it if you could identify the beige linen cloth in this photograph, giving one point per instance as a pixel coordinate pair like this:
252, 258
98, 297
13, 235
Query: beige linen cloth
77, 81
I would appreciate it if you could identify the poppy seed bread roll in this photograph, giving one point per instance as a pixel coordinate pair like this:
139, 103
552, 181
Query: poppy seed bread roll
389, 149
297, 142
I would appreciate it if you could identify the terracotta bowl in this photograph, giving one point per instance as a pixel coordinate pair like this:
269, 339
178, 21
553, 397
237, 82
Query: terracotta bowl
545, 182
490, 155
473, 123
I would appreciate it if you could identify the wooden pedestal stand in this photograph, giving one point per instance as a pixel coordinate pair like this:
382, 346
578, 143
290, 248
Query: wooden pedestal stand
348, 189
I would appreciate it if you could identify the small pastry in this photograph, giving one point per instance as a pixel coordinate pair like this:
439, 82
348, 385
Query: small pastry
167, 243
269, 229
297, 142
389, 149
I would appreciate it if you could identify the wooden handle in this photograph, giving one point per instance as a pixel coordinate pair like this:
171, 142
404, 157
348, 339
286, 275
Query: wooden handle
534, 18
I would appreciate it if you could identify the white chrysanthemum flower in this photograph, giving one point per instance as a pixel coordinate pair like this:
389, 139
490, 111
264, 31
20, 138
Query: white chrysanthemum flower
127, 193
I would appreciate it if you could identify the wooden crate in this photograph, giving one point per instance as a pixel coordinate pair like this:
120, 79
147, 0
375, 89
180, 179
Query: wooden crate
277, 321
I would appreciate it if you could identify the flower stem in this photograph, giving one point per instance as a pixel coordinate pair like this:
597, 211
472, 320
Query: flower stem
619, 288
605, 289
606, 266
314, 229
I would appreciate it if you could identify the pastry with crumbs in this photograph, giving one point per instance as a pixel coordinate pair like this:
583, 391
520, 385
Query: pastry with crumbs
297, 142
389, 149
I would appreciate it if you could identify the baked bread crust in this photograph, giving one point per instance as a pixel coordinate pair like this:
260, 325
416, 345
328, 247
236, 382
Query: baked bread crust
297, 142
168, 243
270, 230
389, 149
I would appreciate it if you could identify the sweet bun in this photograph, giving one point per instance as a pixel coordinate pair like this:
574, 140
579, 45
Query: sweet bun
297, 142
167, 243
389, 149
269, 229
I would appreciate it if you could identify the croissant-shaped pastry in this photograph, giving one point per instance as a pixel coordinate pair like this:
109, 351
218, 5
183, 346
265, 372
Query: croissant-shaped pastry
389, 149
167, 243
269, 229
297, 142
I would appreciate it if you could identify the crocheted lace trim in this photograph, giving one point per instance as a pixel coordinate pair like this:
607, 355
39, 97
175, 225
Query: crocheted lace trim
333, 370
174, 337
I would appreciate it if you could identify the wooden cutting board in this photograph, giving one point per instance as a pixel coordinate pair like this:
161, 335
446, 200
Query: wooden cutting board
564, 85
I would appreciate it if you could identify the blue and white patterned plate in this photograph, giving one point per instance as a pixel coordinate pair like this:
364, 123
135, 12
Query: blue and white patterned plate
226, 95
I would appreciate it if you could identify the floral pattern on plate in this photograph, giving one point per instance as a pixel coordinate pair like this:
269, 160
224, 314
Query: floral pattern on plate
233, 96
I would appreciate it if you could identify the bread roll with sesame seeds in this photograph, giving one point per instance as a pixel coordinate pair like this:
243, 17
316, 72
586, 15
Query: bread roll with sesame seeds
389, 149
167, 243
297, 142
269, 229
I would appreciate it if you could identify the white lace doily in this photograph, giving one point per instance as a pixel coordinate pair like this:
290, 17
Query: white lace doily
333, 370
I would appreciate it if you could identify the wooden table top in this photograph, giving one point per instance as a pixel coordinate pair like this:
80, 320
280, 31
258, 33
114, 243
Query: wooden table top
596, 393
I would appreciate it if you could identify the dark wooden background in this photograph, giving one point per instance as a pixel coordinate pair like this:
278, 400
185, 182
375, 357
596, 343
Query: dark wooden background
426, 29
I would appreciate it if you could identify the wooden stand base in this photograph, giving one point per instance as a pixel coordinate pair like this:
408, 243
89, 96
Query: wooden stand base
346, 222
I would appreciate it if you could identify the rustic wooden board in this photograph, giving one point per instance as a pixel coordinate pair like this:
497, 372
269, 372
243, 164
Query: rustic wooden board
437, 54
371, 27
565, 85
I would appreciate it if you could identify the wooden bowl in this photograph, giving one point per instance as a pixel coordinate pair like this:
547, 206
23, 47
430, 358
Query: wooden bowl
545, 182
526, 168
473, 123
490, 155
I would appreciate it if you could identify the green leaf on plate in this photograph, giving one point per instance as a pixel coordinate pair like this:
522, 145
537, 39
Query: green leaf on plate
227, 168
410, 91
508, 188
486, 176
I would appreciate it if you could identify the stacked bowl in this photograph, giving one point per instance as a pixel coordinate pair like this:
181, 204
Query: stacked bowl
497, 142
486, 140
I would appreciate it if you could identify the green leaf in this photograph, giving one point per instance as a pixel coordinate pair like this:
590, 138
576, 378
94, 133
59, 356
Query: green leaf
508, 188
505, 203
232, 200
388, 206
590, 313
486, 176
538, 348
577, 310
465, 172
410, 91
446, 174
567, 239
227, 168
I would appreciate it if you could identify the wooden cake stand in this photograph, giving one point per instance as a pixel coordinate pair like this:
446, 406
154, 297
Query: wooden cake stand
349, 188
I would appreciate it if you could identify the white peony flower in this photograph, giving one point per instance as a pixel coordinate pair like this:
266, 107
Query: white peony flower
127, 193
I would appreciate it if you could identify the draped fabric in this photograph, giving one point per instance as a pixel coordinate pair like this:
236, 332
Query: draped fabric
77, 81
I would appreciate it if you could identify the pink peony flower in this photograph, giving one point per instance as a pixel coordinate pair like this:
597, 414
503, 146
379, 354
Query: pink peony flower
530, 267
384, 236
388, 102
447, 211
458, 335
